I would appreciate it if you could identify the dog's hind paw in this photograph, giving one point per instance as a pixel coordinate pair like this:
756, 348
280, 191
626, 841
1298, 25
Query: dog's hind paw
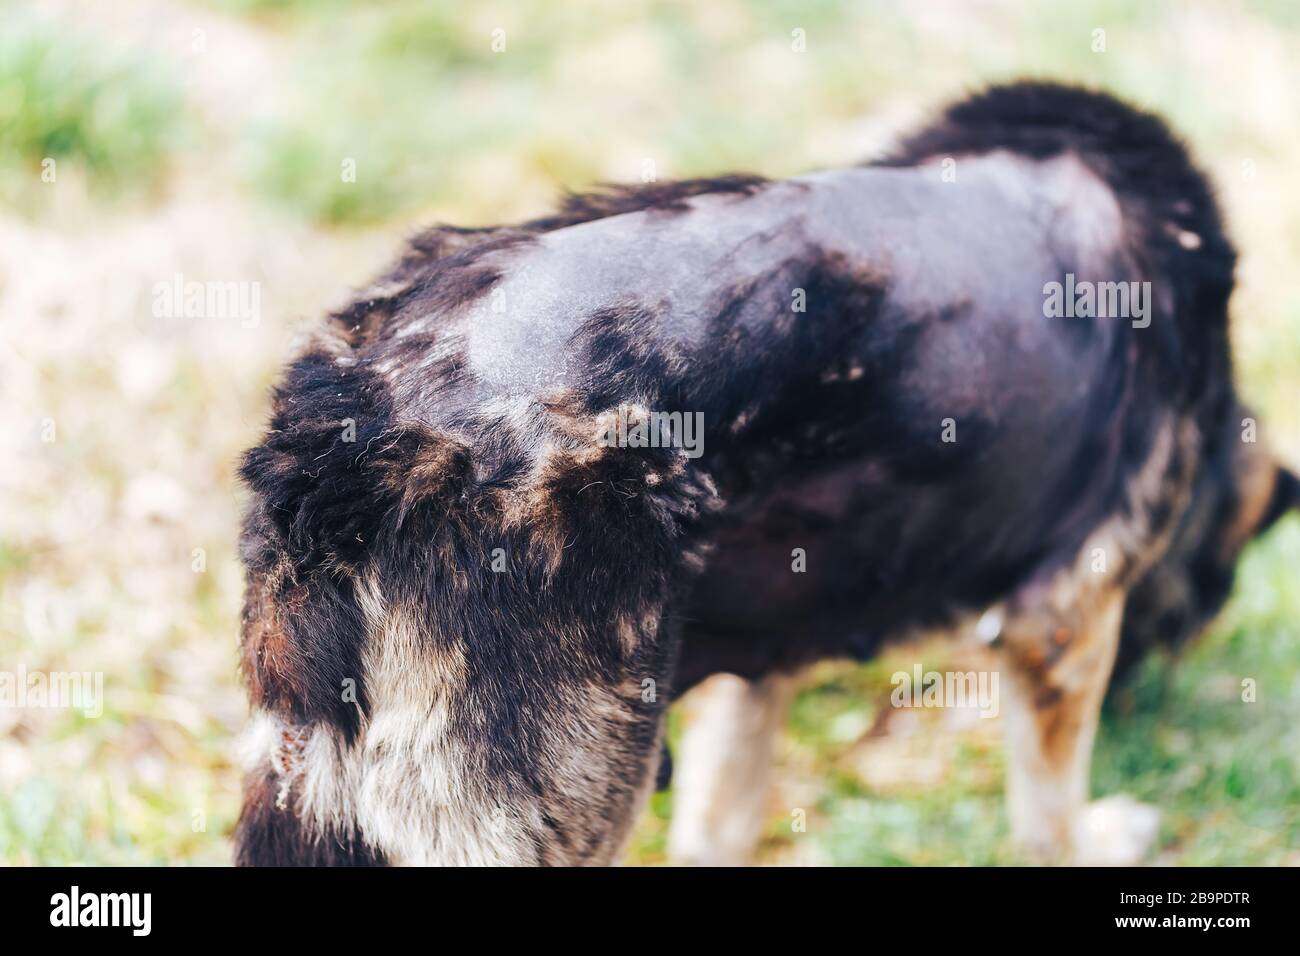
1115, 831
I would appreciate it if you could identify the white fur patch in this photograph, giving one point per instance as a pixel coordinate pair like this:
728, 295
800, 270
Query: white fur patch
723, 773
405, 783
417, 798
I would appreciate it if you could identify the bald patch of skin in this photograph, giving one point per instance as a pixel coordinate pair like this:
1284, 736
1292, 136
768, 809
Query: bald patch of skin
897, 222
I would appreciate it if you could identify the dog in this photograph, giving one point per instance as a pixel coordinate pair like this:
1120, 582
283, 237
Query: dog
485, 545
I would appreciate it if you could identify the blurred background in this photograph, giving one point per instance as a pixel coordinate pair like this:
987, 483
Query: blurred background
210, 139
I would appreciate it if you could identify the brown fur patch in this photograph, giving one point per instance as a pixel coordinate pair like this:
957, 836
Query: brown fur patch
267, 651
1257, 480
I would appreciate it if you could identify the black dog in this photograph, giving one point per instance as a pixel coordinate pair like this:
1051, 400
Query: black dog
541, 478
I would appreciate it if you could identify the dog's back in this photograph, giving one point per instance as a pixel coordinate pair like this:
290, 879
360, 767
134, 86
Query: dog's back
465, 601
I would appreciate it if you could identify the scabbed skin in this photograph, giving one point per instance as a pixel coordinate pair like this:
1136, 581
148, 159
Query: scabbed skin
513, 603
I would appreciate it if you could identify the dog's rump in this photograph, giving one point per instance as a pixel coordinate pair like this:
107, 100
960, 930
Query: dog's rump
461, 623
445, 668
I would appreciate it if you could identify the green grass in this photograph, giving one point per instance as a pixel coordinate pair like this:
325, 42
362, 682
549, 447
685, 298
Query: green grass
415, 93
113, 117
439, 109
1226, 771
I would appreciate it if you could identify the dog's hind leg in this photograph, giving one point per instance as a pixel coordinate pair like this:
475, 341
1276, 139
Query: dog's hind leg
722, 774
1057, 672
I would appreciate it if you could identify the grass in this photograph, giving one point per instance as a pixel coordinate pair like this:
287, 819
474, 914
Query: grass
230, 164
1225, 769
495, 126
114, 119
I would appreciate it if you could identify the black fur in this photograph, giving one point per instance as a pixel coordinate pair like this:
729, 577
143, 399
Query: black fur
269, 834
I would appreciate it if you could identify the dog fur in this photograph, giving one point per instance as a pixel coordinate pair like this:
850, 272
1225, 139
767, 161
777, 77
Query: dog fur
466, 613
